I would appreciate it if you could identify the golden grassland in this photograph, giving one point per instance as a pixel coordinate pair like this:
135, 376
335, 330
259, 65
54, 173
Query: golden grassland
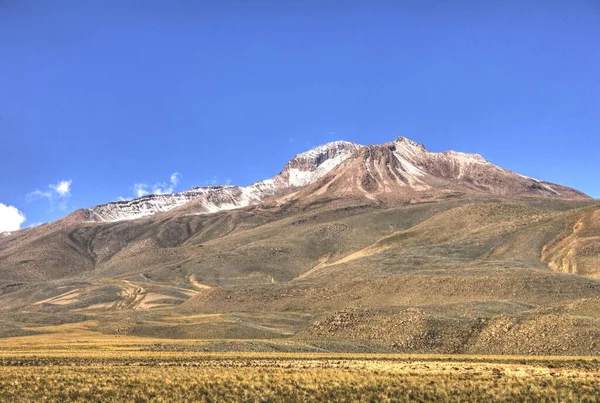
75, 364
292, 382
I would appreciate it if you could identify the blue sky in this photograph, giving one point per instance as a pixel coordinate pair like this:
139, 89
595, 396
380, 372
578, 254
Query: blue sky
98, 96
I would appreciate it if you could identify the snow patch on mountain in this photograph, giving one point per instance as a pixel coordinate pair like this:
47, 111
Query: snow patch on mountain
301, 178
303, 169
311, 165
143, 206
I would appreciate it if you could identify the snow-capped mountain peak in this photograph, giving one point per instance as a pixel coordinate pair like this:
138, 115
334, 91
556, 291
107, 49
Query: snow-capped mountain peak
303, 169
399, 169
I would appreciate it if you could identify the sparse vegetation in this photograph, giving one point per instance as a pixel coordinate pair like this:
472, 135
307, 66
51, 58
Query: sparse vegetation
96, 367
289, 380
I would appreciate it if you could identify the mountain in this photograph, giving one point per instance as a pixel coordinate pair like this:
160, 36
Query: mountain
406, 170
303, 169
383, 248
397, 170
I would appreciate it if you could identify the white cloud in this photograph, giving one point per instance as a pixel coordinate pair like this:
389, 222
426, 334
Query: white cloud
38, 194
228, 181
162, 188
62, 188
175, 178
10, 218
159, 188
61, 191
140, 189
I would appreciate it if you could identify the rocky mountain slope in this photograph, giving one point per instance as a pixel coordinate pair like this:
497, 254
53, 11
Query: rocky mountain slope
406, 170
349, 248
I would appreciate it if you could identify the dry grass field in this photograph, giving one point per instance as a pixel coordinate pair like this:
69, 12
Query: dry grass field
80, 365
290, 381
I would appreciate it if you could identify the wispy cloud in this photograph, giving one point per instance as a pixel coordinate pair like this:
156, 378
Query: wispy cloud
10, 218
38, 194
140, 189
62, 188
144, 189
214, 181
175, 178
166, 188
58, 193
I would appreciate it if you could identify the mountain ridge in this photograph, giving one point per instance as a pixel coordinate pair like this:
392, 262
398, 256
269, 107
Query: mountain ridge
419, 169
299, 171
